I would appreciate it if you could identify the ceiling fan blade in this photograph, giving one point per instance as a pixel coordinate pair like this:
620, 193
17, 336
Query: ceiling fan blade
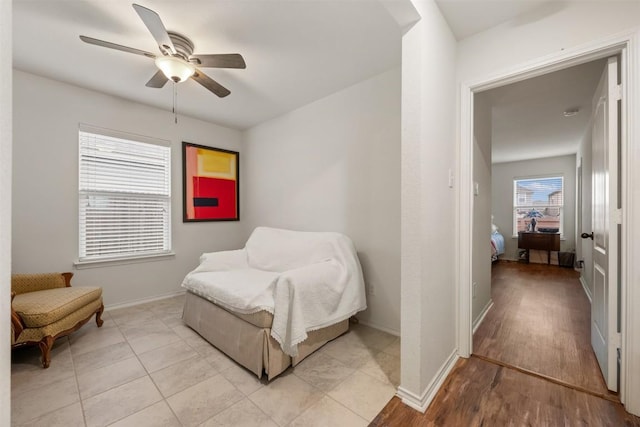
158, 80
228, 60
153, 22
110, 45
210, 84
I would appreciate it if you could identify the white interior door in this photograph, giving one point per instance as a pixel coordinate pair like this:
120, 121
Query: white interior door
605, 336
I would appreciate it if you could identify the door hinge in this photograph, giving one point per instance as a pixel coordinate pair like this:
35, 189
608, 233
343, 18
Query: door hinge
617, 93
616, 216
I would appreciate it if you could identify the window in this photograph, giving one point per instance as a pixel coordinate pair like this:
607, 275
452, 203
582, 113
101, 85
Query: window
125, 197
538, 204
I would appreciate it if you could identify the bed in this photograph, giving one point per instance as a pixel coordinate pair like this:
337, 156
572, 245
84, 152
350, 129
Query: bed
497, 243
277, 300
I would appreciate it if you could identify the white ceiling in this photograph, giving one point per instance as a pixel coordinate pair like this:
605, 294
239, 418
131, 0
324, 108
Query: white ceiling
527, 117
296, 51
468, 17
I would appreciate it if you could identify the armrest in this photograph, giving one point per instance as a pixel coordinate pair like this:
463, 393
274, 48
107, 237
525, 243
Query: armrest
22, 283
223, 260
16, 322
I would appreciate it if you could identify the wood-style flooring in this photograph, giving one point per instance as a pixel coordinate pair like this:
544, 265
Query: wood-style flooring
480, 393
540, 322
532, 365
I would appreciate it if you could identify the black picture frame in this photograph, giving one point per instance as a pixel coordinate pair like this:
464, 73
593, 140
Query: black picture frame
210, 183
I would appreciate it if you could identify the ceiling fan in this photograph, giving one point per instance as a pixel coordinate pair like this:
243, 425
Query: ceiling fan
177, 62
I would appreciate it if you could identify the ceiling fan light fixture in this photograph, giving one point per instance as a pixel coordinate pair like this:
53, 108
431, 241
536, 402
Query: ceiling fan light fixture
177, 62
174, 68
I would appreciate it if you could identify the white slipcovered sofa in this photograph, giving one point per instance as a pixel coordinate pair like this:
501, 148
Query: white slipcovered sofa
282, 296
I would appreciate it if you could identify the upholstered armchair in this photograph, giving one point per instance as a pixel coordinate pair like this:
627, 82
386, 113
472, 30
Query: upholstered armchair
45, 307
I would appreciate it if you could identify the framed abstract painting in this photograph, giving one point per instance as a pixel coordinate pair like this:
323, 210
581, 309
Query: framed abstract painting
210, 183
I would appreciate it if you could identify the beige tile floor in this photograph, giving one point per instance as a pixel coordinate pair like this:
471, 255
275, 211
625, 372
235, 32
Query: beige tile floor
144, 367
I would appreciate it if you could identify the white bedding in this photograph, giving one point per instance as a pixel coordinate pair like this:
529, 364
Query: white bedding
223, 288
307, 280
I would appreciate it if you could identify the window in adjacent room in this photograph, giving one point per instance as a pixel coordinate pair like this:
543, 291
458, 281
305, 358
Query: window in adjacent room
125, 196
538, 204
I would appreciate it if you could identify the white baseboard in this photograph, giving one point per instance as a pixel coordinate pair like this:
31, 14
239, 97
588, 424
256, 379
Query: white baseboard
585, 288
143, 300
422, 402
483, 314
382, 328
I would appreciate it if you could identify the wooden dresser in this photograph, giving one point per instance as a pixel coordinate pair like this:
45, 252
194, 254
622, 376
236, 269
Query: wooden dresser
540, 241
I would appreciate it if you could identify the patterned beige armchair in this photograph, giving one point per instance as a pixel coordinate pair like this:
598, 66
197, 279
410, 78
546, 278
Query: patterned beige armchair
45, 307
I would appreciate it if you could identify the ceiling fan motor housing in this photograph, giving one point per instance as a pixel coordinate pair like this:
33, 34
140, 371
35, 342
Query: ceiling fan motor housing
177, 62
183, 46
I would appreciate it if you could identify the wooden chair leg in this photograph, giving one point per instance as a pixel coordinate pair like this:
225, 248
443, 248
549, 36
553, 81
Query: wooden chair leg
99, 321
45, 348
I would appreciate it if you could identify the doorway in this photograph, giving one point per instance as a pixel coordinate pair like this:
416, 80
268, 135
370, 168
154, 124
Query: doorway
540, 318
466, 281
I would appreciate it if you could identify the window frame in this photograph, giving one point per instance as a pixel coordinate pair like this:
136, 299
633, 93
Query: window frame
162, 197
515, 206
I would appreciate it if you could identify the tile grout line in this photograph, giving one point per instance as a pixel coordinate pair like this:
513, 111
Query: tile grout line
75, 375
345, 379
155, 316
114, 387
332, 399
164, 399
253, 403
349, 409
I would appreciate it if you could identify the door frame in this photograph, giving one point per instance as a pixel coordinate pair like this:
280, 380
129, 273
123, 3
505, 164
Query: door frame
627, 46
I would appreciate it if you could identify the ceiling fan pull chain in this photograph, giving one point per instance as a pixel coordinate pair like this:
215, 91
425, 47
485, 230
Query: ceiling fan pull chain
175, 102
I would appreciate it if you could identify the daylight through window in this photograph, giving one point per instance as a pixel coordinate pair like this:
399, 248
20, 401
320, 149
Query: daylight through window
125, 198
538, 204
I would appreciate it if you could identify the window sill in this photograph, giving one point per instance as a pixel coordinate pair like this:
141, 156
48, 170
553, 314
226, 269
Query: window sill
80, 265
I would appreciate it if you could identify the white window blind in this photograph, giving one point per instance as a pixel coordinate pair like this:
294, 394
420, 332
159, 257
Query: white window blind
125, 198
538, 204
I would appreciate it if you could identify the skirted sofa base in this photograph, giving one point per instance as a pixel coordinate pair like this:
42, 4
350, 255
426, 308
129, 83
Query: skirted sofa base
247, 338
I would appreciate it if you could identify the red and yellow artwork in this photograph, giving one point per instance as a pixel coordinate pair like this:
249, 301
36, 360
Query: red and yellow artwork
210, 183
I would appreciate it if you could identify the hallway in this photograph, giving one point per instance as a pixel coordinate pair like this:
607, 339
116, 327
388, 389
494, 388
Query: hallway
540, 322
532, 363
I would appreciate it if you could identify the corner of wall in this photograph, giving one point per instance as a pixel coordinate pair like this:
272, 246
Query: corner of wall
428, 265
421, 402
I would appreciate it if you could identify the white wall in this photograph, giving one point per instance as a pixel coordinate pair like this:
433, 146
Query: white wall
556, 27
428, 234
481, 268
584, 247
45, 186
5, 209
334, 165
503, 175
